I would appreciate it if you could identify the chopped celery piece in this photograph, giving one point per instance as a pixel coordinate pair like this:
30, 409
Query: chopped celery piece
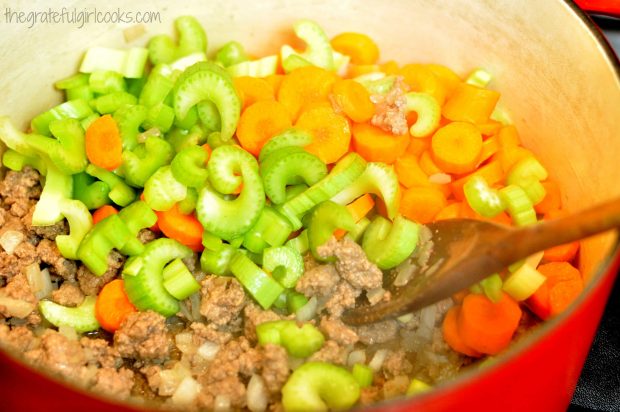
299, 341
162, 190
318, 51
519, 205
263, 67
130, 62
81, 318
80, 222
320, 386
428, 111
532, 260
271, 229
492, 287
71, 82
357, 232
17, 161
363, 375
188, 205
136, 216
179, 65
129, 118
231, 53
379, 179
15, 139
109, 103
285, 264
325, 218
57, 188
289, 137
105, 82
80, 92
523, 283
120, 193
209, 116
179, 281
527, 174
192, 39
387, 244
217, 261
73, 109
263, 288
189, 166
300, 242
376, 83
295, 301
481, 198
145, 160
479, 78
93, 193
417, 386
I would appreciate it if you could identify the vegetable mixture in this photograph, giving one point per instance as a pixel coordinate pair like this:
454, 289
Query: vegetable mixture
188, 230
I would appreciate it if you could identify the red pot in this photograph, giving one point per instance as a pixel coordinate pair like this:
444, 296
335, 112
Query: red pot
557, 76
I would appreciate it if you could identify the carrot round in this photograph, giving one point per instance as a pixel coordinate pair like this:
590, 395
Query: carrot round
470, 103
451, 333
113, 306
563, 294
422, 79
361, 48
457, 147
103, 212
377, 145
186, 229
488, 327
449, 79
304, 86
330, 132
563, 285
552, 199
561, 253
353, 99
452, 211
275, 80
409, 171
422, 204
103, 143
253, 89
259, 122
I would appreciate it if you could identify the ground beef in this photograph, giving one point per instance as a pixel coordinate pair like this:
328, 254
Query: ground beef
318, 281
391, 109
143, 336
369, 395
19, 288
253, 316
19, 338
397, 363
112, 382
343, 297
379, 332
352, 264
98, 352
59, 354
47, 232
19, 190
331, 352
24, 255
275, 367
335, 330
48, 253
395, 387
146, 236
68, 294
91, 284
208, 333
223, 298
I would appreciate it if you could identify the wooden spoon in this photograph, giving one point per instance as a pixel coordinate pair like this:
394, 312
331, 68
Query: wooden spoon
465, 251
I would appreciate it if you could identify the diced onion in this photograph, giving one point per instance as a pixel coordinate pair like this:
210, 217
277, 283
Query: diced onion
16, 308
374, 296
221, 404
406, 318
405, 272
186, 392
440, 178
68, 332
183, 341
10, 239
356, 356
208, 350
39, 280
257, 397
377, 361
308, 311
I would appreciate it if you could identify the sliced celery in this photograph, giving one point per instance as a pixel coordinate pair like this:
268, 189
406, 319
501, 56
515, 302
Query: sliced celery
479, 77
162, 190
81, 318
285, 264
80, 222
428, 111
179, 281
318, 51
289, 137
130, 62
388, 244
523, 283
363, 374
519, 205
263, 288
263, 67
324, 220
481, 198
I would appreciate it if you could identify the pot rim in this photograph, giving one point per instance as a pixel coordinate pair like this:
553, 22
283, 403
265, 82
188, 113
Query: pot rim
468, 376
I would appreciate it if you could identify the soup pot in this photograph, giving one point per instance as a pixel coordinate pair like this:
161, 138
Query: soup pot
560, 83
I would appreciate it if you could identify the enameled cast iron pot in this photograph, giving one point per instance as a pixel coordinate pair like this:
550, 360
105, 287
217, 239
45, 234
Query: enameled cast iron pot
557, 76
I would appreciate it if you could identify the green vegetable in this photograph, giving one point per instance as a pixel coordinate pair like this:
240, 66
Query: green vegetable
145, 159
162, 190
300, 242
217, 261
228, 167
289, 138
523, 282
263, 67
160, 117
17, 161
57, 188
80, 222
130, 62
376, 83
109, 103
428, 111
325, 218
188, 205
481, 198
189, 166
93, 193
357, 232
518, 204
80, 92
387, 244
318, 52
319, 386
285, 264
192, 39
105, 82
129, 118
527, 174
231, 53
179, 281
71, 82
262, 287
299, 342
136, 216
492, 287
479, 78
379, 179
120, 192
363, 375
81, 318
158, 85
417, 386
207, 81
73, 109
210, 117
295, 301
146, 289
271, 229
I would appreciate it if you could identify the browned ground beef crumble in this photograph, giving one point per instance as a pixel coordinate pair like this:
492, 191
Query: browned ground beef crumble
136, 363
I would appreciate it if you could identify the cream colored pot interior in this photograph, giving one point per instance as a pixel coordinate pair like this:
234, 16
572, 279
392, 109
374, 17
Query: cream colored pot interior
554, 77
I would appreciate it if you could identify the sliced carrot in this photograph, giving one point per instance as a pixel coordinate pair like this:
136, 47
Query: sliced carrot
304, 86
253, 89
467, 212
449, 79
103, 212
490, 146
452, 211
389, 67
489, 128
330, 132
113, 305
353, 99
539, 302
488, 327
377, 145
361, 48
259, 122
427, 163
552, 199
561, 253
359, 208
103, 143
275, 80
207, 149
509, 156
557, 272
508, 136
451, 333
567, 278
186, 229
469, 103
457, 147
355, 70
422, 204
409, 171
418, 145
492, 172
422, 79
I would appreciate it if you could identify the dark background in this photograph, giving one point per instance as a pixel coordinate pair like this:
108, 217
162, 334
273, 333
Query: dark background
599, 385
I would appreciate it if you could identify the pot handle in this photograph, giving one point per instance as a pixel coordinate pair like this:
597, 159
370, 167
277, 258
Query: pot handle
606, 7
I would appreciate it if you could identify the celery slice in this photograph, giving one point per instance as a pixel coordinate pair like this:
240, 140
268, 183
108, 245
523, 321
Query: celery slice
263, 67
179, 281
388, 244
81, 318
130, 63
523, 283
428, 111
262, 287
162, 190
285, 264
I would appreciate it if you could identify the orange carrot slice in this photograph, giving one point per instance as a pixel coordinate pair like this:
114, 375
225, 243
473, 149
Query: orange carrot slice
186, 229
304, 86
457, 147
113, 305
469, 103
358, 208
377, 145
259, 122
103, 212
422, 204
353, 99
451, 333
103, 143
361, 48
330, 132
253, 89
422, 79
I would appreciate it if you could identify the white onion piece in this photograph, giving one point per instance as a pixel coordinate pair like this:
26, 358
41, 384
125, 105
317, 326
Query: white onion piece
169, 381
10, 239
68, 332
374, 296
356, 356
39, 280
184, 342
428, 316
221, 404
405, 272
186, 392
16, 308
208, 350
377, 361
308, 311
440, 178
406, 318
257, 397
